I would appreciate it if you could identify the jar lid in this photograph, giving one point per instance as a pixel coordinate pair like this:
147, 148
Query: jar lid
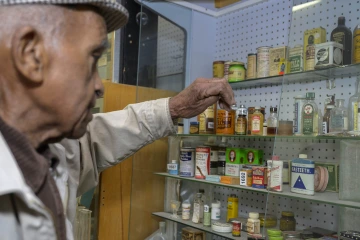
273, 109
257, 107
215, 205
186, 205
302, 155
194, 123
237, 63
251, 54
219, 61
253, 215
287, 214
273, 232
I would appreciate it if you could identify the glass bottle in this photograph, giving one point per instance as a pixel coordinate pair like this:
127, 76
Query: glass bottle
339, 117
241, 121
160, 234
310, 119
198, 206
326, 119
257, 121
272, 122
222, 156
353, 108
299, 103
343, 35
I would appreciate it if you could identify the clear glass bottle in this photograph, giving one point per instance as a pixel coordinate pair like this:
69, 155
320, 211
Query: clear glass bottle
257, 121
353, 108
310, 118
339, 117
160, 234
272, 122
241, 121
326, 119
299, 103
222, 156
198, 206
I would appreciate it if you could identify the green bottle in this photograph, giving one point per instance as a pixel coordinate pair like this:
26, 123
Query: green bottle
207, 216
310, 116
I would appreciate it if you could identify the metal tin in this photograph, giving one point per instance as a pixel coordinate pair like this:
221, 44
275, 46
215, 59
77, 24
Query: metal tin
251, 66
236, 231
202, 162
226, 70
296, 59
263, 62
218, 69
187, 162
328, 54
236, 72
194, 127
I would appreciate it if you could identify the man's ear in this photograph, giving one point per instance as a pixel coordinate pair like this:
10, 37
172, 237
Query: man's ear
28, 54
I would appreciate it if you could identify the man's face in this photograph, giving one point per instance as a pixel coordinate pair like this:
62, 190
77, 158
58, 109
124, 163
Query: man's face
71, 75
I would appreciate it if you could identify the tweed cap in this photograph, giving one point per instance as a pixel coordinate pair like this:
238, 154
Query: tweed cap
115, 14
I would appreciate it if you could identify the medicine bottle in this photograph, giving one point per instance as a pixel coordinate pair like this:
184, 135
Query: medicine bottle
257, 121
253, 223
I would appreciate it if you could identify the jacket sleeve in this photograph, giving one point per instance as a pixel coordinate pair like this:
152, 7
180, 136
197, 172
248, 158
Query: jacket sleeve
114, 136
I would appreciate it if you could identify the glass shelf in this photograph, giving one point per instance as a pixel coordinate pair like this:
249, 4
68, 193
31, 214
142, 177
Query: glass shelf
302, 77
199, 226
324, 197
319, 137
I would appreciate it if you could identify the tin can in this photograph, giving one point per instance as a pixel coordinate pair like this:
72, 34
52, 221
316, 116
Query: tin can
232, 207
194, 127
202, 162
218, 69
236, 72
263, 62
236, 231
226, 70
187, 162
251, 66
296, 59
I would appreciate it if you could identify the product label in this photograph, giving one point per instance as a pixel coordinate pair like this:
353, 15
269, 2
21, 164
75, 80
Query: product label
302, 178
324, 127
339, 37
224, 120
322, 56
356, 43
263, 63
337, 122
185, 213
236, 74
202, 162
251, 67
255, 124
172, 168
308, 119
187, 163
240, 127
338, 56
310, 57
296, 120
232, 169
295, 63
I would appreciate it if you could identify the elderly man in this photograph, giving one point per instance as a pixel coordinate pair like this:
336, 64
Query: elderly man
48, 85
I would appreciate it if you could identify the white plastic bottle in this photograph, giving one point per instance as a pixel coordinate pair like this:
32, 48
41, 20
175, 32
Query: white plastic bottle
253, 223
275, 174
215, 211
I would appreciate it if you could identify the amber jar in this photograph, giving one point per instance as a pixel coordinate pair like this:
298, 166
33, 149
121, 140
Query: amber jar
225, 123
287, 221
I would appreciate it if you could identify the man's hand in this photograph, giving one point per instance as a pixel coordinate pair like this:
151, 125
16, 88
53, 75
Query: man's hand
199, 95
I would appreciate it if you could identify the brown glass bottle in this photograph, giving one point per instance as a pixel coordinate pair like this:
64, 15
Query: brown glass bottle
343, 35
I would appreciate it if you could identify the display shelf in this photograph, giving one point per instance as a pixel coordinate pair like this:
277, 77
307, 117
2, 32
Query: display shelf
199, 226
302, 77
324, 197
319, 137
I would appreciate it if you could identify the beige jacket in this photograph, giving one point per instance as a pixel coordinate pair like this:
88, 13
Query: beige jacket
110, 138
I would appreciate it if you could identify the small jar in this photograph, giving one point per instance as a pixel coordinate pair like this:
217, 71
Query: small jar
185, 214
194, 127
180, 128
291, 235
269, 222
253, 223
287, 221
215, 211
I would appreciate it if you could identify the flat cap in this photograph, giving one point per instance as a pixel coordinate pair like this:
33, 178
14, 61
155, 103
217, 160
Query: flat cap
114, 13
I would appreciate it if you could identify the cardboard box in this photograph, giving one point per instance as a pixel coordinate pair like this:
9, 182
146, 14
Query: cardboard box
333, 183
230, 180
189, 233
253, 156
233, 161
311, 37
276, 54
259, 177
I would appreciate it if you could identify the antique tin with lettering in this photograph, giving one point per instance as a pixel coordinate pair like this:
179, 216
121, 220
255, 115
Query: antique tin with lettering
302, 175
296, 59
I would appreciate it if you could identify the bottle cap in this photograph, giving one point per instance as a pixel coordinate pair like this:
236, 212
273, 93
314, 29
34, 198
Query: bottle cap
186, 205
258, 107
173, 161
329, 106
302, 155
215, 205
310, 95
253, 215
341, 20
273, 109
275, 157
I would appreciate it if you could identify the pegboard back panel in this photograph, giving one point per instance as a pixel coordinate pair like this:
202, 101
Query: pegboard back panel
241, 32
